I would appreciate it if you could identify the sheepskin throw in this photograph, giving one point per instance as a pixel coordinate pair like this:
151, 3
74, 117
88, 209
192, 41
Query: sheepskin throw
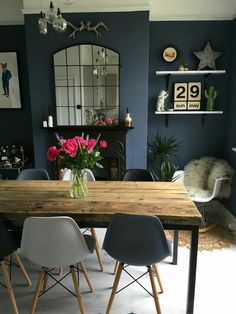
200, 176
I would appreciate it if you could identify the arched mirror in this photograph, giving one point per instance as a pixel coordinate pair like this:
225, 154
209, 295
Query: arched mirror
86, 85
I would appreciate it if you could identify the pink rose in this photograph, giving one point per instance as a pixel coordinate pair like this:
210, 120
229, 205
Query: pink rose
70, 147
91, 144
81, 140
103, 144
52, 153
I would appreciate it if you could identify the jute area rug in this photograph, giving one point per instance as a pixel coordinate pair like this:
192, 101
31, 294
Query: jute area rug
215, 239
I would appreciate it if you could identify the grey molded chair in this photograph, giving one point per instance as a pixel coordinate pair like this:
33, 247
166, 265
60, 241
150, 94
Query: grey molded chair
8, 247
52, 242
90, 177
33, 174
126, 241
137, 175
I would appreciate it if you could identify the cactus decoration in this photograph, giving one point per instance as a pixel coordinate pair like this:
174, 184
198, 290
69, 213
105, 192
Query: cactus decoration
211, 94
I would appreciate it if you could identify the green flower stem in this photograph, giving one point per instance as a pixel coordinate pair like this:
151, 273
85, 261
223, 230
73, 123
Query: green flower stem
78, 186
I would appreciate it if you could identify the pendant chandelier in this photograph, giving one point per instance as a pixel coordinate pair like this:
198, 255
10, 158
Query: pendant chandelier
53, 17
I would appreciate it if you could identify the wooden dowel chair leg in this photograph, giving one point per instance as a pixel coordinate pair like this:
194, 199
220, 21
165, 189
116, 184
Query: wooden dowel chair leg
93, 232
60, 271
114, 289
154, 290
22, 267
9, 287
156, 270
37, 290
86, 275
45, 280
115, 268
77, 289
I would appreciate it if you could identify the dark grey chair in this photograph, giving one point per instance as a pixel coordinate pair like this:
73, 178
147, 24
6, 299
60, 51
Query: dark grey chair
137, 175
8, 247
33, 174
137, 240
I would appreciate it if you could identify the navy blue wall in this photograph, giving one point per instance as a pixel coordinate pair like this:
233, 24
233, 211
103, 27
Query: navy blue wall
231, 119
16, 124
129, 35
139, 86
195, 140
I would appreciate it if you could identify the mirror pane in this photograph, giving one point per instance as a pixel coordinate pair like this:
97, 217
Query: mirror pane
72, 54
60, 58
86, 85
73, 75
112, 57
60, 76
86, 56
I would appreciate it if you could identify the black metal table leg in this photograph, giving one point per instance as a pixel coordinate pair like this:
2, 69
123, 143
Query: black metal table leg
192, 269
175, 247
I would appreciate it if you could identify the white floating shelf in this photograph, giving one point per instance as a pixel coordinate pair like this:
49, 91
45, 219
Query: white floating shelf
188, 112
191, 72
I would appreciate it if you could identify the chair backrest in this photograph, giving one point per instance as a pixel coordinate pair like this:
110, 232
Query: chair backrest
136, 239
137, 175
86, 172
7, 243
178, 176
33, 174
210, 196
53, 241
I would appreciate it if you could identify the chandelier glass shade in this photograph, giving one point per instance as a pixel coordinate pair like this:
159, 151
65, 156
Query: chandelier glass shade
53, 17
51, 13
59, 23
43, 29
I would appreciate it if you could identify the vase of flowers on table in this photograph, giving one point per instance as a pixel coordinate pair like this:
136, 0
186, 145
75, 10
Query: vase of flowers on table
77, 154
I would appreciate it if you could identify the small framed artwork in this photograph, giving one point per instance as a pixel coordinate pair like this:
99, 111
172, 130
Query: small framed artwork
187, 96
9, 87
169, 54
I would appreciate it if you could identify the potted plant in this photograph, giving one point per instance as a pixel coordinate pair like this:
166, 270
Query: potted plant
171, 107
162, 154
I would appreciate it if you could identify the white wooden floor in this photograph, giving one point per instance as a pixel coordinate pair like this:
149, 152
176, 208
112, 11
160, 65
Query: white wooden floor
215, 288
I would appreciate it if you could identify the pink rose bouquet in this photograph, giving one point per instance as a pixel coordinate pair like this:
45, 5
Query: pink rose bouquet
77, 153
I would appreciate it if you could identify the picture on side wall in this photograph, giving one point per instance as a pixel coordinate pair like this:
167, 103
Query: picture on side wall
9, 86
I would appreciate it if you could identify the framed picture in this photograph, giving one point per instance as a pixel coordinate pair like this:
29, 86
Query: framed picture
9, 86
169, 54
187, 96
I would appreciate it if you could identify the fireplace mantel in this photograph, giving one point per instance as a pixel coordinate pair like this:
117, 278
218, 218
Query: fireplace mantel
88, 128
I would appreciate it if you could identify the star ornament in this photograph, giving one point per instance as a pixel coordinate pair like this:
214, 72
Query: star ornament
207, 57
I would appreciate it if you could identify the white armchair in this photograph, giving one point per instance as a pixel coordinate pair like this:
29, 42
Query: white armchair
206, 179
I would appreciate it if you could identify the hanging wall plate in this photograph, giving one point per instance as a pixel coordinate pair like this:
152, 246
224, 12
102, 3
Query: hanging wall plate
169, 54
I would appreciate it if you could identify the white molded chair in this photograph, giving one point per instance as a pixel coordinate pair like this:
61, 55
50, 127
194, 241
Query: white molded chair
88, 174
54, 242
202, 200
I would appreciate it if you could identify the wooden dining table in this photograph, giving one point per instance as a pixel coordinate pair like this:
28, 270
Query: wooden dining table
167, 200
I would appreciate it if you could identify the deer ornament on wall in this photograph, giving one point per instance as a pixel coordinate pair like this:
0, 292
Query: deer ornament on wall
87, 26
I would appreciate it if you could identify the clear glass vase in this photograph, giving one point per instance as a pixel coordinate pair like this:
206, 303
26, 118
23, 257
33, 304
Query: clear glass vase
78, 184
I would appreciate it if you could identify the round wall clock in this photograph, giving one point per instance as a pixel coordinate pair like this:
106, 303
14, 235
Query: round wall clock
169, 54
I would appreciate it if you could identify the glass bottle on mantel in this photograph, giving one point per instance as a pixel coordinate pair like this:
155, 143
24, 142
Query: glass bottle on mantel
128, 120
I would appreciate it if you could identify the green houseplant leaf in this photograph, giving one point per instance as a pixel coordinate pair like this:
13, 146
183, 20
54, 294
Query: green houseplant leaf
163, 156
